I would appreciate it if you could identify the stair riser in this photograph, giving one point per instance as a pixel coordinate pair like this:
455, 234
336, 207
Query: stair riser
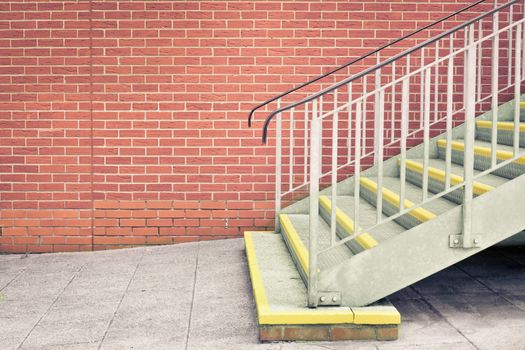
481, 162
505, 137
407, 221
434, 186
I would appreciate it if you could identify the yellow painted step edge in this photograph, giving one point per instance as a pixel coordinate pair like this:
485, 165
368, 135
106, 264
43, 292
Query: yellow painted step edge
437, 174
295, 241
373, 315
391, 197
507, 126
482, 151
365, 240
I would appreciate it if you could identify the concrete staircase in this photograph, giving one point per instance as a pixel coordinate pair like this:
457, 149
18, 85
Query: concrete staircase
336, 255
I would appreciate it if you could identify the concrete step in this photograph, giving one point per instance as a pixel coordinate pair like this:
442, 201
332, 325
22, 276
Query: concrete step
280, 298
413, 196
437, 175
505, 132
482, 157
367, 217
295, 229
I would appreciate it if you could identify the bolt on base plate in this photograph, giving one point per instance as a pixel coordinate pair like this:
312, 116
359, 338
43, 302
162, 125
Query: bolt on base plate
329, 298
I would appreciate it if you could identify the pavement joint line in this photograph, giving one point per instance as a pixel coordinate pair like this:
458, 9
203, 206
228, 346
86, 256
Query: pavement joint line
13, 279
503, 295
50, 306
436, 311
121, 299
193, 295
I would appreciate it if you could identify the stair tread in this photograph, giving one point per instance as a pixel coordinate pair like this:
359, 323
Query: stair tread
415, 194
367, 218
488, 145
282, 281
489, 179
500, 147
301, 223
481, 123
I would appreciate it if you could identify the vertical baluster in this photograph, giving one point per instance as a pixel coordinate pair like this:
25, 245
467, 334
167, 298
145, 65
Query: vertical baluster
335, 129
470, 132
290, 160
305, 170
363, 118
517, 92
450, 87
422, 88
315, 158
436, 82
379, 141
509, 68
278, 164
466, 31
405, 108
393, 110
480, 53
405, 105
377, 85
321, 136
349, 122
426, 133
523, 47
494, 88
357, 165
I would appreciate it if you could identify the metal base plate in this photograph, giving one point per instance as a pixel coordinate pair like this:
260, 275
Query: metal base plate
456, 241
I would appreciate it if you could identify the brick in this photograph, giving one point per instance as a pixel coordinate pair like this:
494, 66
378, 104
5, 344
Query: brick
270, 333
353, 333
320, 333
388, 333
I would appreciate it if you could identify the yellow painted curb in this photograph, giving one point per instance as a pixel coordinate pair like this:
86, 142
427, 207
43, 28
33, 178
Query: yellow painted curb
437, 174
333, 315
482, 151
365, 240
507, 126
391, 197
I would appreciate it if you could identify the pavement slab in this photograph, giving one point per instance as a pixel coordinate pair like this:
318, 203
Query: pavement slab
198, 296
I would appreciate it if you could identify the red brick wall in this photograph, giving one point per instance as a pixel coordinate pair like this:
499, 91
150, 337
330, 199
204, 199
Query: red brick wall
124, 122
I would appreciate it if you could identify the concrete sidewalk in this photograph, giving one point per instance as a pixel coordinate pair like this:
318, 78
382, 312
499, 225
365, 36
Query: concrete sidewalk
198, 296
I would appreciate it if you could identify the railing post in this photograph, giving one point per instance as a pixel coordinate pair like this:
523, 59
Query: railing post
468, 161
278, 166
377, 85
315, 159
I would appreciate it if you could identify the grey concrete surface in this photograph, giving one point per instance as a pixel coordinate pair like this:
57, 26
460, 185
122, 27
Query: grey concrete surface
198, 296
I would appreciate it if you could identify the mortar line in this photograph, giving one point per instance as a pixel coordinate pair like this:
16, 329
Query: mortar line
436, 311
120, 301
193, 295
50, 306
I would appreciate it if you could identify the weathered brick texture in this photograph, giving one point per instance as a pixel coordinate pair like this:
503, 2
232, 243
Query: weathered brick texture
124, 122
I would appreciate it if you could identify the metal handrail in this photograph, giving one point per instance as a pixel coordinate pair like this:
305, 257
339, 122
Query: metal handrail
382, 64
250, 116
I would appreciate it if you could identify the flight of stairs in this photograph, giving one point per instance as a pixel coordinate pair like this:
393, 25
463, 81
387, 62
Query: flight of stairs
394, 254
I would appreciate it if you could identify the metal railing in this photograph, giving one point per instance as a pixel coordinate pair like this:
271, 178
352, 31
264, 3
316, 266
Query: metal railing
426, 89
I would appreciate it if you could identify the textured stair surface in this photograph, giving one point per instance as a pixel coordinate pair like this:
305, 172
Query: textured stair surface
438, 219
367, 218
